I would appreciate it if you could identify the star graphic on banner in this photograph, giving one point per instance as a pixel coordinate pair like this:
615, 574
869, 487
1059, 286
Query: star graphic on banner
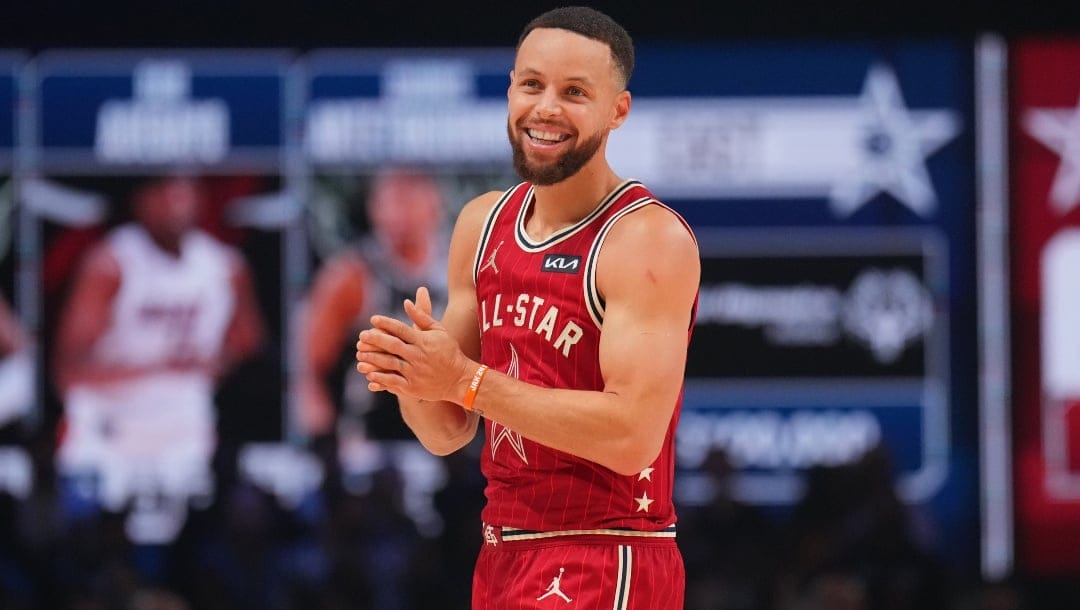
1059, 130
646, 474
895, 145
499, 432
643, 502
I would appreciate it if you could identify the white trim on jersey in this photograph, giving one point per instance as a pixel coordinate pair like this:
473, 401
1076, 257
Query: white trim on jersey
528, 245
489, 225
593, 302
511, 534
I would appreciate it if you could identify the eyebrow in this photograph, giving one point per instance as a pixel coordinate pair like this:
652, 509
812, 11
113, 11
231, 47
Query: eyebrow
534, 72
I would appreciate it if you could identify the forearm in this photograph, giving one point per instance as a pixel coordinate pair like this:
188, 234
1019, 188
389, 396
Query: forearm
94, 373
594, 425
441, 427
78, 367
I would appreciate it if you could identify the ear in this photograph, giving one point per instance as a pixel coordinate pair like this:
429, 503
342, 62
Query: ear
620, 110
511, 84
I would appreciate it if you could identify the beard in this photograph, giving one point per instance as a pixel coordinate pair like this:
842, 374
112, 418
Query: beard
562, 168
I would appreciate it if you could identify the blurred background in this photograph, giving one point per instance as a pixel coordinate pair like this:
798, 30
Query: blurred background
200, 203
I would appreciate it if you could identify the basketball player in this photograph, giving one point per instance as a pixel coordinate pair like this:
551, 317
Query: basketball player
405, 248
355, 431
158, 312
571, 300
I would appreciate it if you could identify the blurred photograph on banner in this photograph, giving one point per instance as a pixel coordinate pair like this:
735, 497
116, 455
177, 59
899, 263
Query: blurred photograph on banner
1045, 253
396, 144
159, 206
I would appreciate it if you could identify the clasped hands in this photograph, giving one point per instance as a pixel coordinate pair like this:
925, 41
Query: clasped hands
420, 361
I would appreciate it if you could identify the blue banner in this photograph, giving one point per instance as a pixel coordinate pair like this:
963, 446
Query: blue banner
9, 91
831, 188
133, 110
372, 108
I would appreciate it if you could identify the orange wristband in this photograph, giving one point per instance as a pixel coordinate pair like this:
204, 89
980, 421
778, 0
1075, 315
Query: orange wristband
474, 385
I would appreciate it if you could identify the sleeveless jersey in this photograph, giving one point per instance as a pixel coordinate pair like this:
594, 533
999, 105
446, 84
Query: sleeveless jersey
540, 318
166, 308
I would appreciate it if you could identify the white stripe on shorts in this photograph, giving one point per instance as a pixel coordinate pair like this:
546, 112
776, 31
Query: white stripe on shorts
622, 582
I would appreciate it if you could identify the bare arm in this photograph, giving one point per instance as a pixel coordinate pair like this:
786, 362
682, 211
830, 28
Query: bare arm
441, 425
335, 300
246, 331
648, 273
11, 334
85, 316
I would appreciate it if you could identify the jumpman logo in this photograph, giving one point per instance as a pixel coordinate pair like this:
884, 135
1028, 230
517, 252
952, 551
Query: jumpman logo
491, 260
553, 588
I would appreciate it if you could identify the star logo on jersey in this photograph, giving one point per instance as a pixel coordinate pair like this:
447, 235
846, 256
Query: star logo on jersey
1059, 130
646, 475
643, 502
895, 145
501, 434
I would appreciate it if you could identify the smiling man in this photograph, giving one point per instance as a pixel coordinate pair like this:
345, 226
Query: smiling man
571, 299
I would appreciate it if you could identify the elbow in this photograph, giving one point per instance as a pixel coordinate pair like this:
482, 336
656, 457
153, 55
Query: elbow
443, 439
445, 446
634, 455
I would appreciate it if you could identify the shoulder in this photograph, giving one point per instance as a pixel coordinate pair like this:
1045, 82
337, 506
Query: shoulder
474, 214
346, 268
101, 261
480, 206
651, 242
212, 249
650, 228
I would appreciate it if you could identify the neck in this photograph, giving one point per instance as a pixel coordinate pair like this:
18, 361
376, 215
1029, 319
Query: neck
170, 244
560, 205
411, 256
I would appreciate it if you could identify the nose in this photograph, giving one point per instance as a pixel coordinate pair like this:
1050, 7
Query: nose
548, 105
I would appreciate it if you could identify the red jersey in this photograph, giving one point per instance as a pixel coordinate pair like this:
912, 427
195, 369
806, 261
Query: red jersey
540, 320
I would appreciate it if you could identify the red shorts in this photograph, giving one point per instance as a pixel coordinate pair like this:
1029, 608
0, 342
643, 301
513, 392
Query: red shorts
578, 572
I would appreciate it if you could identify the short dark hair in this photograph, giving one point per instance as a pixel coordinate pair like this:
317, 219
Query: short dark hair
593, 24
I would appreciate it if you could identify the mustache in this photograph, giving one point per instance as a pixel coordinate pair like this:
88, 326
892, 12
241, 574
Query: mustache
541, 124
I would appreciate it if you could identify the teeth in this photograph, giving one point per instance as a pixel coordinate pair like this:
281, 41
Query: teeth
547, 136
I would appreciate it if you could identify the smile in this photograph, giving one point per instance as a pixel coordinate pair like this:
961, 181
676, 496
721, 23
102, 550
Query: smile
546, 137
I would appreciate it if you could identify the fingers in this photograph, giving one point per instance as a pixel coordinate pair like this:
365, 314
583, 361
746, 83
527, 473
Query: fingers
421, 317
388, 335
423, 299
404, 333
379, 381
378, 361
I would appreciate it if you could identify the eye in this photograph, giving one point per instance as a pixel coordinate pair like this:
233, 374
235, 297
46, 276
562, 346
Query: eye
530, 83
575, 91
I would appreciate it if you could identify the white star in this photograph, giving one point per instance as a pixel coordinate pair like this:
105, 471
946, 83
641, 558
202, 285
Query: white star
499, 432
643, 502
895, 145
646, 474
1059, 130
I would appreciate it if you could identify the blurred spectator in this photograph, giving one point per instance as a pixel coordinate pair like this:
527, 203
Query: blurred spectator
993, 596
852, 545
159, 310
730, 551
